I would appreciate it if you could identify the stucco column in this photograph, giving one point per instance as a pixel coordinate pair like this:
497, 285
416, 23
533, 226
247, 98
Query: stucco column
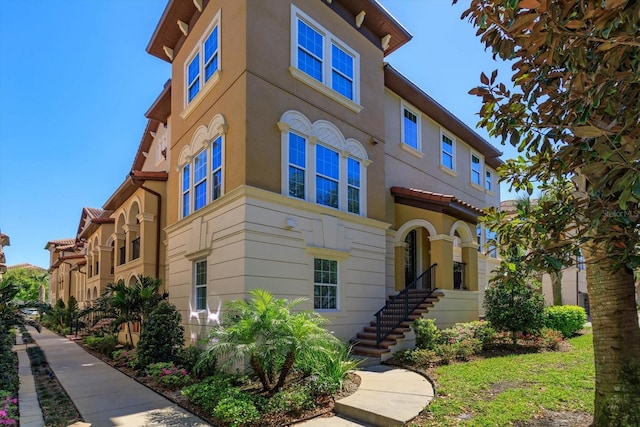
148, 231
118, 242
130, 234
442, 254
470, 258
399, 250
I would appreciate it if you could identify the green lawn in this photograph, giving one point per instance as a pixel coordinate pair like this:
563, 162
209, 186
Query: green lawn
501, 391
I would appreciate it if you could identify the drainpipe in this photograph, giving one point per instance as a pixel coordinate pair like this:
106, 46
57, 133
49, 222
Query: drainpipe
138, 184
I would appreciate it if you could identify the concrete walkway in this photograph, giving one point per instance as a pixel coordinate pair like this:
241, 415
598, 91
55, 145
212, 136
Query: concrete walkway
104, 396
30, 412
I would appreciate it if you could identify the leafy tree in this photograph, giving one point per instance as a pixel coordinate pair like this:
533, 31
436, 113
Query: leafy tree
162, 337
574, 113
10, 308
29, 281
512, 300
266, 332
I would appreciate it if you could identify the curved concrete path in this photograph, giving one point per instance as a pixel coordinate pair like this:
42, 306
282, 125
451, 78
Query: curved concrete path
386, 397
104, 396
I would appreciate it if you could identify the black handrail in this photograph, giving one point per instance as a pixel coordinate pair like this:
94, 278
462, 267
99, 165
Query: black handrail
398, 309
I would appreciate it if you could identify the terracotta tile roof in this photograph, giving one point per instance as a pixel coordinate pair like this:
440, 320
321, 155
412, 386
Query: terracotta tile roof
61, 242
437, 202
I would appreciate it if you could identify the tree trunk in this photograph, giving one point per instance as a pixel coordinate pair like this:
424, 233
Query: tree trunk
286, 367
556, 286
616, 341
259, 371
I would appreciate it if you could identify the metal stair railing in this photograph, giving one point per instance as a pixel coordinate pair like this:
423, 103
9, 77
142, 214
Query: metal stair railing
398, 309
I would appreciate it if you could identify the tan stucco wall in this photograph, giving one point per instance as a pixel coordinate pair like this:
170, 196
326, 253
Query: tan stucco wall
569, 291
454, 307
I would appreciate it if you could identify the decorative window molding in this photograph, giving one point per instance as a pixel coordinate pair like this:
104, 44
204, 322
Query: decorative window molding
202, 69
201, 167
321, 166
324, 62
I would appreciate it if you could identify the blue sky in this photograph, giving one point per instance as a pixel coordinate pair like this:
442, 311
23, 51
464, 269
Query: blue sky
75, 81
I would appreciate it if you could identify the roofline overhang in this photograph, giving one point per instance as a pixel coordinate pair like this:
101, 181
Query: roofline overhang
128, 187
406, 89
434, 202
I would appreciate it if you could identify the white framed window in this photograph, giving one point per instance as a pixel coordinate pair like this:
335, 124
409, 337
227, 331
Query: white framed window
447, 152
325, 284
410, 127
200, 284
320, 166
202, 177
488, 181
204, 62
476, 169
323, 58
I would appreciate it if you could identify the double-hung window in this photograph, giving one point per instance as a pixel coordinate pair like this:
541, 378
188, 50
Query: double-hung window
202, 177
488, 181
476, 169
204, 62
200, 284
353, 186
297, 165
325, 284
318, 54
447, 152
410, 128
327, 176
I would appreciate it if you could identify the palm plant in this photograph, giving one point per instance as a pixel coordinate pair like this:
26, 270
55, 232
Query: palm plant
266, 333
10, 308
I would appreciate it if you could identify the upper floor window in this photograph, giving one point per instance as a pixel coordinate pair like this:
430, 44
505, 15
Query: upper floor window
476, 169
321, 166
201, 166
200, 284
320, 55
479, 237
488, 181
447, 156
204, 62
410, 128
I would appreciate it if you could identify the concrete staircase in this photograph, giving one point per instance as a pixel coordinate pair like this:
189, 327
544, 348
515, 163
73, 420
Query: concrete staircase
364, 344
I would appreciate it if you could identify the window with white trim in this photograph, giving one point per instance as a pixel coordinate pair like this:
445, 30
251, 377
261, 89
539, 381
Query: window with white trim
488, 181
200, 284
320, 55
204, 62
476, 169
447, 156
201, 178
320, 166
410, 128
325, 284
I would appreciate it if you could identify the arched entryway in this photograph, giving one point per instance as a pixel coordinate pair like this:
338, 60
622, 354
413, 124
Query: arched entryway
413, 253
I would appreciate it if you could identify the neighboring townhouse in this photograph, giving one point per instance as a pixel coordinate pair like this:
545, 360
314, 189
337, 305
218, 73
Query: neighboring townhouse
4, 241
302, 164
66, 272
574, 277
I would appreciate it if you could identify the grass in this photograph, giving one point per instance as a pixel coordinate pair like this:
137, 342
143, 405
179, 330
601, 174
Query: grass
504, 391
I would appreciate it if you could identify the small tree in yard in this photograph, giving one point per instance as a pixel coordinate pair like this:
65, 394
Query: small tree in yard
575, 114
512, 300
163, 336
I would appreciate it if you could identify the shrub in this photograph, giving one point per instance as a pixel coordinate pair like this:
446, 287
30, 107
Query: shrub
418, 358
331, 365
446, 353
567, 319
162, 336
427, 333
208, 393
479, 331
236, 410
105, 345
291, 401
167, 374
128, 358
9, 412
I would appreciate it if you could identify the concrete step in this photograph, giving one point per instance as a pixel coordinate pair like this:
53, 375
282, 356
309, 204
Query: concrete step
362, 350
372, 343
372, 336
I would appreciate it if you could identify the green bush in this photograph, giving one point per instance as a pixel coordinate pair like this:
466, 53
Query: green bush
207, 394
162, 336
236, 410
128, 358
9, 380
330, 365
291, 401
187, 357
105, 345
418, 358
167, 374
427, 333
480, 331
567, 319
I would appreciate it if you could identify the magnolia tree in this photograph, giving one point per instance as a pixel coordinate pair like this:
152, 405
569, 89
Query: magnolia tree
573, 111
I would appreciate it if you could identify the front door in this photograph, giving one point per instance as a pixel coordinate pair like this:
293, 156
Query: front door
410, 258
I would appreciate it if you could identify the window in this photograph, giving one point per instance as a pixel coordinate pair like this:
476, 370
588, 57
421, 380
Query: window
320, 166
97, 269
410, 128
122, 255
476, 169
491, 248
488, 181
479, 237
135, 248
322, 57
200, 284
197, 174
203, 62
447, 158
325, 284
